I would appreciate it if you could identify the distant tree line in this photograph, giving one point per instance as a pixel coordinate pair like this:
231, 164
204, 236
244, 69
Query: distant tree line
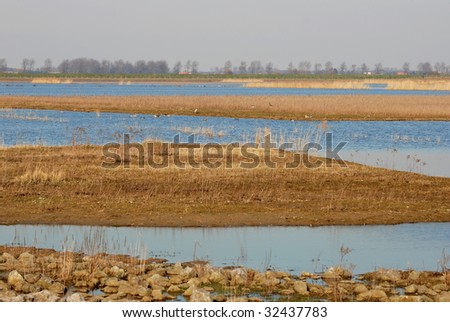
93, 66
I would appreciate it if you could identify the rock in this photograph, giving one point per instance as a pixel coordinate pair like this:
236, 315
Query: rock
15, 278
8, 259
157, 282
32, 278
238, 277
440, 287
414, 275
199, 295
287, 292
360, 288
75, 297
337, 273
26, 259
117, 272
43, 296
112, 281
173, 289
18, 283
132, 290
410, 289
189, 291
443, 297
57, 288
387, 275
110, 289
301, 288
176, 269
157, 295
45, 282
372, 296
217, 277
4, 286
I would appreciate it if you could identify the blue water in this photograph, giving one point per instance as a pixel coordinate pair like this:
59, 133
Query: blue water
422, 147
115, 89
296, 249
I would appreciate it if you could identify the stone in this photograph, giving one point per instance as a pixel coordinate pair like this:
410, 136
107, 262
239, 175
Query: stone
44, 296
110, 289
189, 291
45, 282
372, 296
26, 259
157, 282
443, 297
301, 288
337, 273
414, 275
410, 289
157, 295
199, 295
173, 289
57, 288
287, 292
238, 277
75, 297
217, 277
112, 281
32, 278
440, 287
405, 298
18, 283
135, 290
117, 272
8, 259
360, 288
387, 275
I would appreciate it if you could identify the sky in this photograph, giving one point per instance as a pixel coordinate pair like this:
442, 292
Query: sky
213, 31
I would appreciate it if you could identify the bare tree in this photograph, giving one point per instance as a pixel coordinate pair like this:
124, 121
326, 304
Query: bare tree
255, 67
63, 67
177, 68
425, 68
364, 68
243, 67
406, 68
329, 67
379, 68
194, 67
304, 67
440, 68
269, 68
188, 66
291, 68
317, 68
48, 66
228, 67
25, 64
343, 68
3, 65
353, 70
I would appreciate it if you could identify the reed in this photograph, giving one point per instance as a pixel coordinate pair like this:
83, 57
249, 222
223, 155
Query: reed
87, 194
309, 108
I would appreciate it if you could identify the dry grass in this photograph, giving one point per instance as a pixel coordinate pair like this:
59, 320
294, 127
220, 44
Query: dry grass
91, 195
39, 175
275, 107
392, 84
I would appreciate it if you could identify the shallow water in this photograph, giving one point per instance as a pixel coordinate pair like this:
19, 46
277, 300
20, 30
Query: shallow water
115, 89
422, 147
296, 249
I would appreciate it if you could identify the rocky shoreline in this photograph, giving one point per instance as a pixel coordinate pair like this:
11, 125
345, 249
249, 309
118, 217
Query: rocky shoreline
43, 275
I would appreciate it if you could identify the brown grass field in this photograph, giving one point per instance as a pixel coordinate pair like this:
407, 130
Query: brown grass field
275, 107
427, 84
67, 185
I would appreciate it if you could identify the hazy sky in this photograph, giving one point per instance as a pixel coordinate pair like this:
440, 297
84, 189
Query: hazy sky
213, 31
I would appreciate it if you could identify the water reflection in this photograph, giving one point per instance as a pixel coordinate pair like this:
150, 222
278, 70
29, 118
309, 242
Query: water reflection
296, 249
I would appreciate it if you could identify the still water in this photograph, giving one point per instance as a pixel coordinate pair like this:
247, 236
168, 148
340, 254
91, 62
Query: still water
141, 89
295, 249
422, 147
